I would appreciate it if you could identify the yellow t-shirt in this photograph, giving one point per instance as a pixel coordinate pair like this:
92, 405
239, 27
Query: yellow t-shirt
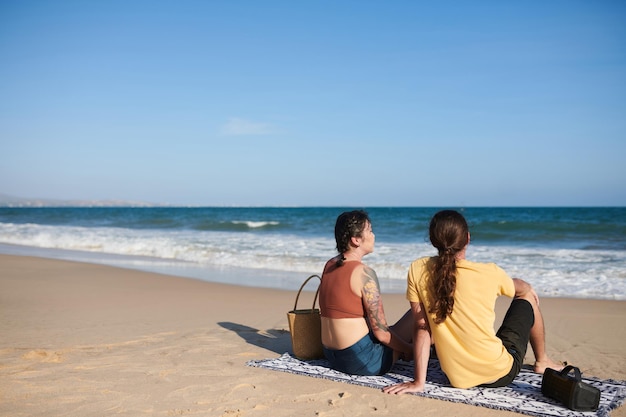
468, 349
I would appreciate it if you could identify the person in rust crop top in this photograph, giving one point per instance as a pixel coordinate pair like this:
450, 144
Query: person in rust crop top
356, 337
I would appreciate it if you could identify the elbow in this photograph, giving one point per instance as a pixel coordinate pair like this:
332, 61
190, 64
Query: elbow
383, 336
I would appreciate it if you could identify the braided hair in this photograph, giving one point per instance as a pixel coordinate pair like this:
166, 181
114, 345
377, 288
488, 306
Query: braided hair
349, 224
448, 233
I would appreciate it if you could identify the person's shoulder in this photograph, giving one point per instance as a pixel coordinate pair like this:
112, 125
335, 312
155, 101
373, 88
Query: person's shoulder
421, 261
420, 266
487, 268
478, 265
364, 270
355, 267
331, 263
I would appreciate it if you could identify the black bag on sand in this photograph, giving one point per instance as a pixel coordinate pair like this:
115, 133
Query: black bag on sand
571, 391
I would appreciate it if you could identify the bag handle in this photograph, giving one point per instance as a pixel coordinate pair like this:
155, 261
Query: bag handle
302, 286
569, 368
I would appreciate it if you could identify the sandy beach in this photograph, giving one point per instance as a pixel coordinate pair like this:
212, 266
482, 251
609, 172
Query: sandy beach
89, 340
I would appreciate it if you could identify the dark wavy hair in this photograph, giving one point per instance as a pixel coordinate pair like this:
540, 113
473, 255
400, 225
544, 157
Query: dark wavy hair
448, 233
349, 224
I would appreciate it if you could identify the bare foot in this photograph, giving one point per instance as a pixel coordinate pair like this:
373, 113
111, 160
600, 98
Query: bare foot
540, 366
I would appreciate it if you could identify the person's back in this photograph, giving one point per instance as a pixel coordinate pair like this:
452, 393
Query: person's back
468, 349
341, 309
338, 301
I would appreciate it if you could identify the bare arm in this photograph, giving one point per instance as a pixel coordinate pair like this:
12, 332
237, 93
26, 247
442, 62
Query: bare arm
376, 314
422, 337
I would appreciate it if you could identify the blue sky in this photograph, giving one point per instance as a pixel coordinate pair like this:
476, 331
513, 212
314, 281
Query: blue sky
359, 103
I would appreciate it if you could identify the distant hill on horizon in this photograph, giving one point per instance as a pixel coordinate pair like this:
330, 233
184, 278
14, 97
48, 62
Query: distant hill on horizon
12, 201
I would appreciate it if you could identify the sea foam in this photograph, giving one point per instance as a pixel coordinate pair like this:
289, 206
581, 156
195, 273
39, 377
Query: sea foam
553, 272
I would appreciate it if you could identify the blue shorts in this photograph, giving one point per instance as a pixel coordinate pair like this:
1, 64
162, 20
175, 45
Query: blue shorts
366, 357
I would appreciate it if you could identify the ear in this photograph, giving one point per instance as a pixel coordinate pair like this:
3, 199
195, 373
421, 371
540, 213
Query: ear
356, 241
468, 238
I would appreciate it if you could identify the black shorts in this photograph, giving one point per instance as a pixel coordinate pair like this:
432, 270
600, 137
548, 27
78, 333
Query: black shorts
515, 335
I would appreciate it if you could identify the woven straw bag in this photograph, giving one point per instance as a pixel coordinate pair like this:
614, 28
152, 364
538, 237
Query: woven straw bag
306, 328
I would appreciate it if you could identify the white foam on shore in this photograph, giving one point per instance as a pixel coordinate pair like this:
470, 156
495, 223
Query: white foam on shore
204, 255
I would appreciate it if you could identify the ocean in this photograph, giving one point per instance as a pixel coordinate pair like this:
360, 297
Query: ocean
562, 252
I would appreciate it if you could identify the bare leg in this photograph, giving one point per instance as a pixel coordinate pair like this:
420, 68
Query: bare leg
538, 341
404, 327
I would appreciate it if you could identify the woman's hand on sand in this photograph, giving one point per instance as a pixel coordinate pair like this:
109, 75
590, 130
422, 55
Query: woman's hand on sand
404, 388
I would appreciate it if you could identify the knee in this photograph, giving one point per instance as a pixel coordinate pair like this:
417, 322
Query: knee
531, 302
529, 295
521, 309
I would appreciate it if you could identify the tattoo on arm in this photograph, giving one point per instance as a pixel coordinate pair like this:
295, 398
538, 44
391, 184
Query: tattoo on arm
372, 299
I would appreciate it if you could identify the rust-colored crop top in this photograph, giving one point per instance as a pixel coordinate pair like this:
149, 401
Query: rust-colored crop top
337, 301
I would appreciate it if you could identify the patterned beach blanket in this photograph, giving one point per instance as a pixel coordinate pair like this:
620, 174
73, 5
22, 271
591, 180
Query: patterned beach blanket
522, 396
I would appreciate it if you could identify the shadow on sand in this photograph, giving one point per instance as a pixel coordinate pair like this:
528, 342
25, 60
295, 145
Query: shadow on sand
278, 341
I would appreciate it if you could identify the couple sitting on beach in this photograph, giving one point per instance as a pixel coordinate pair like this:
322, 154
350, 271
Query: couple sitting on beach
452, 306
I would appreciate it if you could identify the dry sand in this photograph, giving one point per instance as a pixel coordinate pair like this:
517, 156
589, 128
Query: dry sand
88, 340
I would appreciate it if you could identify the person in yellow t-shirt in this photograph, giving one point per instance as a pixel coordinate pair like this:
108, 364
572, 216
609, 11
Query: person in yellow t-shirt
453, 301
